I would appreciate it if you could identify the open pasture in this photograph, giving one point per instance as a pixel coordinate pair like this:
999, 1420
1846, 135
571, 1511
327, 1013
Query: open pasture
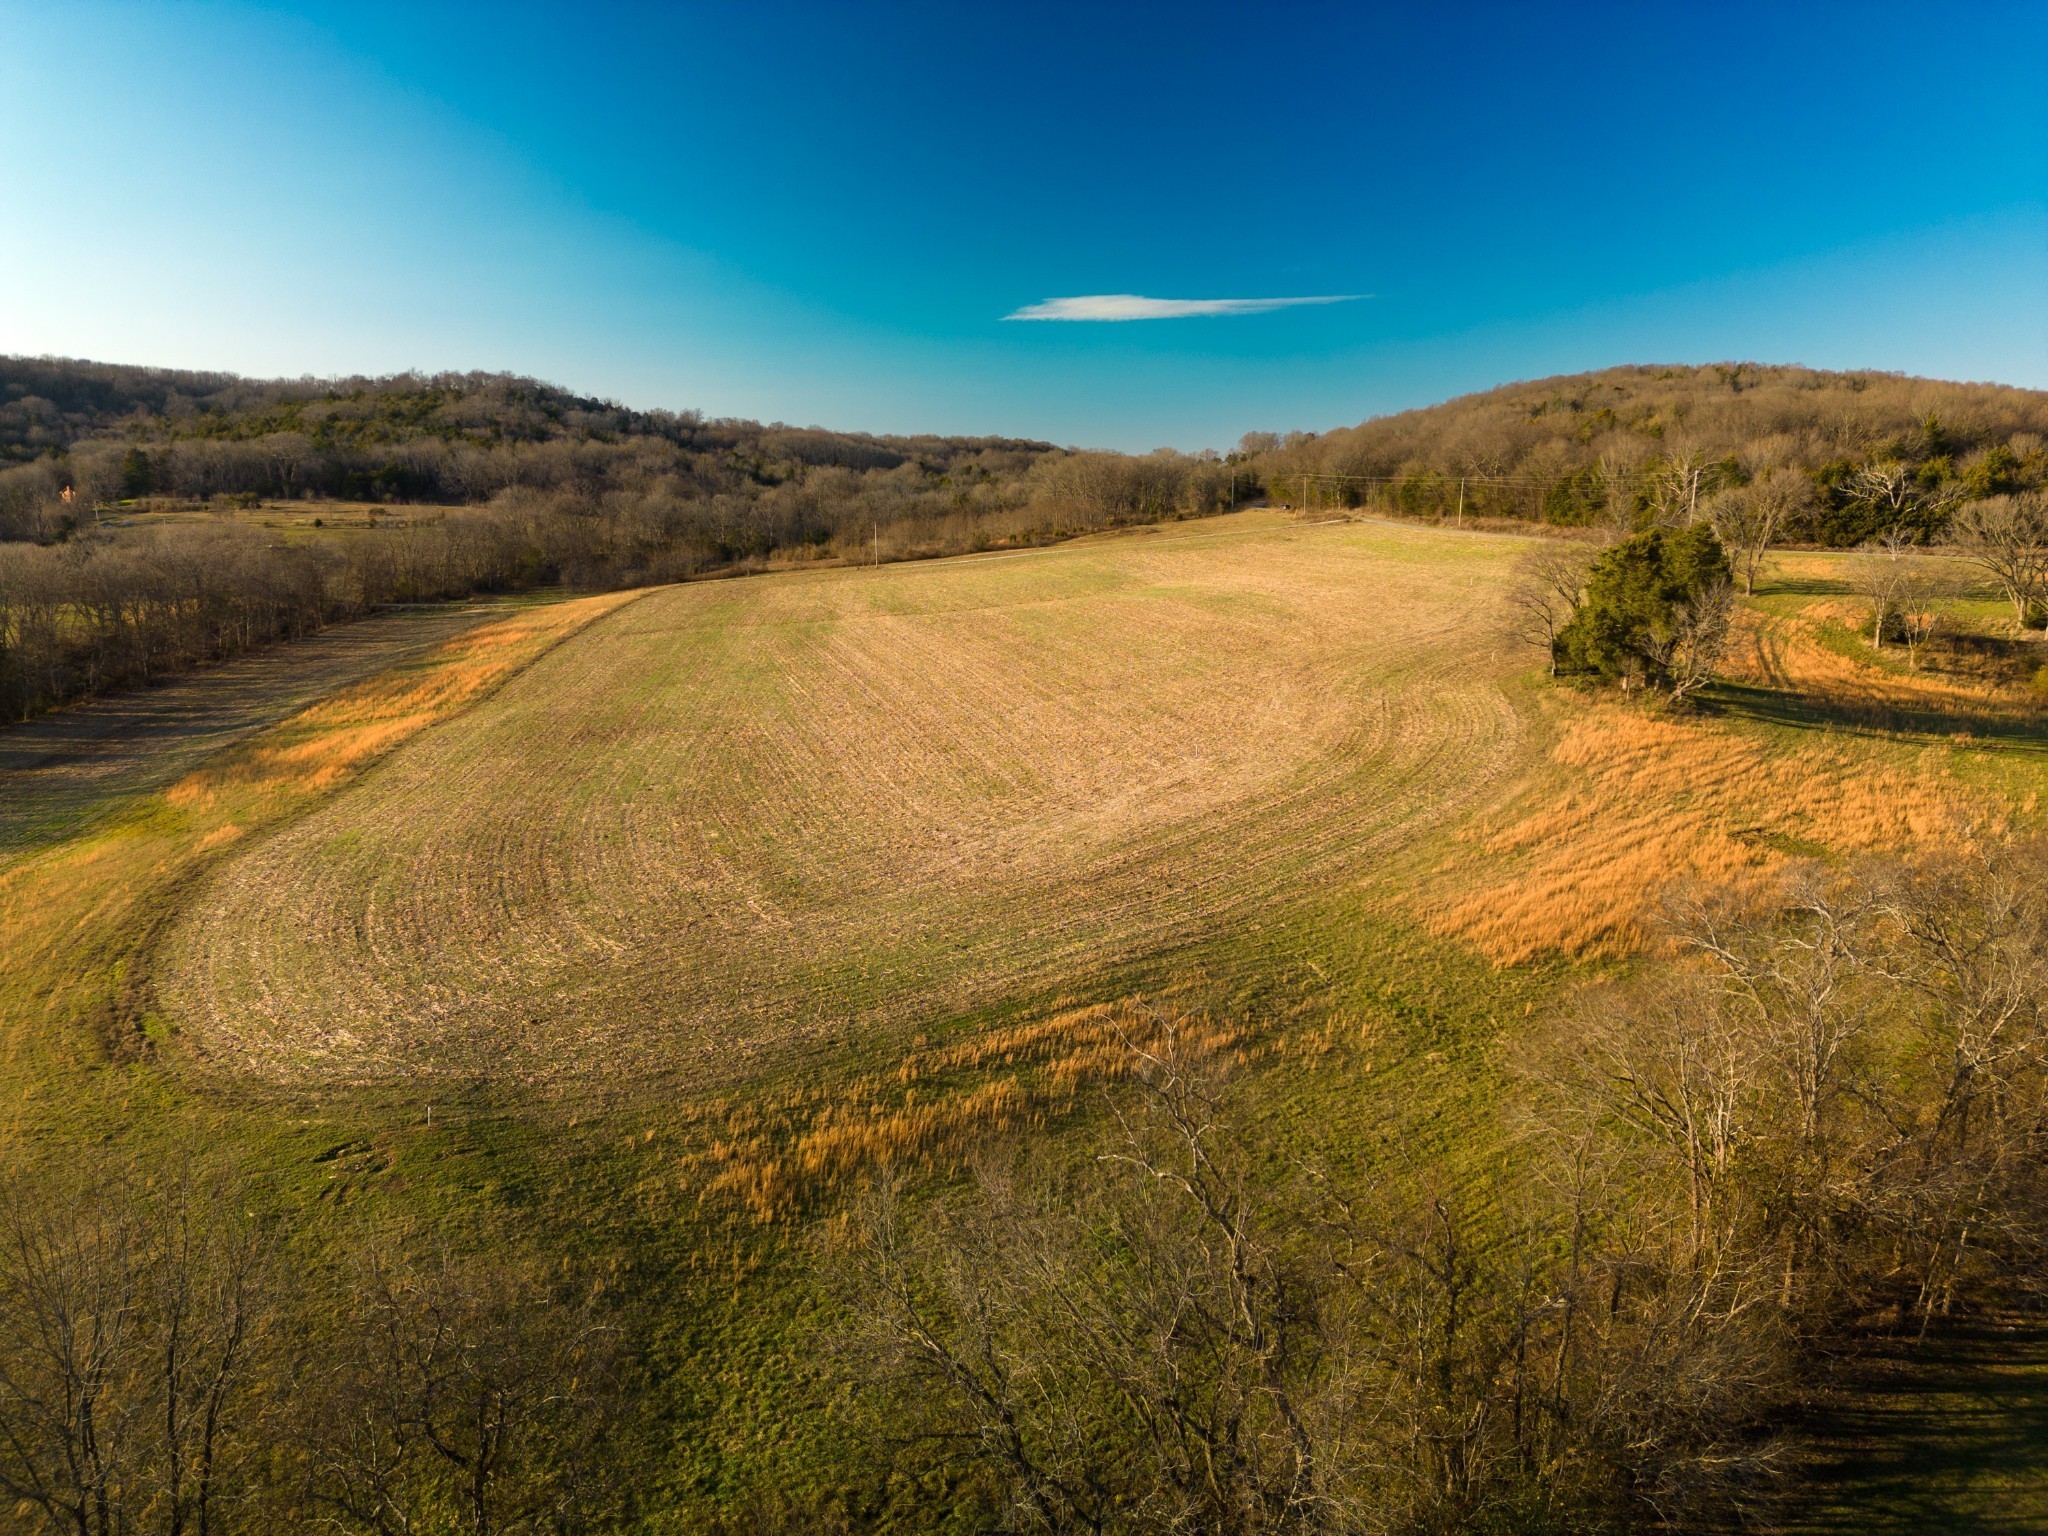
736, 823
729, 850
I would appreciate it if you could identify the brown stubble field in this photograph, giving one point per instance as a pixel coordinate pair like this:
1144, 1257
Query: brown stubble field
741, 825
817, 821
104, 866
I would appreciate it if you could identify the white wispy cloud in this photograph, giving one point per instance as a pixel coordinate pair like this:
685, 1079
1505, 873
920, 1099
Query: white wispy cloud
1133, 306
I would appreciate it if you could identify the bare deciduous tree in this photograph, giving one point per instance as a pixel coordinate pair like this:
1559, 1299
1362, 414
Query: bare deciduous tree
1175, 1343
1139, 1353
1750, 518
1847, 1094
1895, 494
1881, 573
2006, 537
480, 1391
131, 1322
1617, 469
1675, 487
1921, 598
1549, 581
1688, 649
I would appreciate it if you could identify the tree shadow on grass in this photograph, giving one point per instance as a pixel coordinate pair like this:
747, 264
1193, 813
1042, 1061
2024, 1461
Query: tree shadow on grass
1842, 717
1949, 1437
58, 772
1805, 586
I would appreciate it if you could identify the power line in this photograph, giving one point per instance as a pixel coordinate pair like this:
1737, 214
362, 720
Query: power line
1513, 482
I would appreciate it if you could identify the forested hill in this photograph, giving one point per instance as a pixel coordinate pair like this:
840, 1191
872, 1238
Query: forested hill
444, 437
1878, 450
1873, 452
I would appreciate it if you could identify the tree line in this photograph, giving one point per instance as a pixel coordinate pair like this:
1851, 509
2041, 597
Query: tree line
113, 434
537, 487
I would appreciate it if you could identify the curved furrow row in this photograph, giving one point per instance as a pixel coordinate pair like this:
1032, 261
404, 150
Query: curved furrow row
740, 818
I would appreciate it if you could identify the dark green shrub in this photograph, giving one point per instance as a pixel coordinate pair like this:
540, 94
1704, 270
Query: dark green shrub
1641, 596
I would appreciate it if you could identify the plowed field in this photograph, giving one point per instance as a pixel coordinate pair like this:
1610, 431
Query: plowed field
735, 822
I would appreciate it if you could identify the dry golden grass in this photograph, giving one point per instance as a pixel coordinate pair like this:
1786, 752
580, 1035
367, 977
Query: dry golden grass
745, 824
61, 773
1646, 801
328, 742
1635, 801
1786, 652
769, 1155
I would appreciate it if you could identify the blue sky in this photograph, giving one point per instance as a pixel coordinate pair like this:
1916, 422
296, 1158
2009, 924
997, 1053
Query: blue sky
823, 213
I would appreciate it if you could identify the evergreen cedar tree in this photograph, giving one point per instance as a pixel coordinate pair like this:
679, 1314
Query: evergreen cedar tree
1632, 605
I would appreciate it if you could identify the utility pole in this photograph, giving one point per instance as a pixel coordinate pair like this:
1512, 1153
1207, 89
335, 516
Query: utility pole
1304, 495
877, 526
1461, 503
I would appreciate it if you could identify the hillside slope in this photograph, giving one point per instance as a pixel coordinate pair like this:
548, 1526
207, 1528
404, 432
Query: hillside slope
744, 819
650, 928
1609, 446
